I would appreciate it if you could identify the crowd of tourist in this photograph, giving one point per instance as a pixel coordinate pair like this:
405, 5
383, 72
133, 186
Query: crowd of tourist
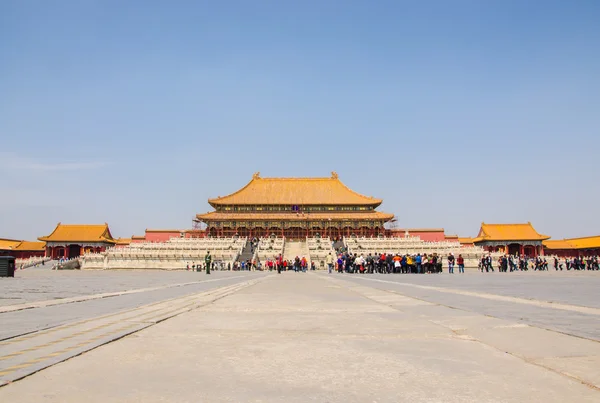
510, 263
390, 263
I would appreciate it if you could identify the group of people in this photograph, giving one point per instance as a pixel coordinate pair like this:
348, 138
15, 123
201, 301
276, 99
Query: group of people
577, 263
387, 263
392, 263
510, 263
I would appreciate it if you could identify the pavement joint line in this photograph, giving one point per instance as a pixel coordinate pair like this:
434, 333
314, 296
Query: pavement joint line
30, 335
474, 339
43, 304
496, 297
229, 290
80, 333
491, 316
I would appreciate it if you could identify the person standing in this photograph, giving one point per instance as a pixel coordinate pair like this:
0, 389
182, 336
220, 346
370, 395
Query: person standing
461, 264
208, 261
340, 264
329, 261
451, 263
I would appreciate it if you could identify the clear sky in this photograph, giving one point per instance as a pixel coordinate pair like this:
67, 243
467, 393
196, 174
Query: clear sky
453, 112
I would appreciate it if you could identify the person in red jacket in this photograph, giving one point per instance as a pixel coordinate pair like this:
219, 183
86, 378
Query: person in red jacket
461, 264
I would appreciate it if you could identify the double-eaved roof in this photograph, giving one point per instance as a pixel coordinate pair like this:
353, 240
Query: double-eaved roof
508, 232
295, 191
368, 215
80, 233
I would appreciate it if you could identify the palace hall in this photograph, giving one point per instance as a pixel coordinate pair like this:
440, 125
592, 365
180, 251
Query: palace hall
295, 208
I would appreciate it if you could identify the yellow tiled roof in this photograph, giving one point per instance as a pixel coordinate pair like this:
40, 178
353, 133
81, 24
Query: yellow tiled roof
13, 244
508, 232
369, 215
79, 233
31, 246
558, 244
123, 241
588, 242
465, 240
295, 191
8, 244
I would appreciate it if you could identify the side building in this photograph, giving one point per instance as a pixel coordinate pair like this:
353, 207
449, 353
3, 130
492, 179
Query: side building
70, 241
573, 247
295, 208
21, 249
520, 239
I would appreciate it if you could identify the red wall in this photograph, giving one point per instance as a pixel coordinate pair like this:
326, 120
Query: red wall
161, 236
195, 233
571, 252
26, 254
432, 235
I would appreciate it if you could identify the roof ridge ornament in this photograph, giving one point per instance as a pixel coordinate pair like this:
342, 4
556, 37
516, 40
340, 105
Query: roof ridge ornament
256, 175
334, 175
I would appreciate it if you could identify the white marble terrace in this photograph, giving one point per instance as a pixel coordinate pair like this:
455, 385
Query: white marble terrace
269, 248
318, 249
413, 246
174, 254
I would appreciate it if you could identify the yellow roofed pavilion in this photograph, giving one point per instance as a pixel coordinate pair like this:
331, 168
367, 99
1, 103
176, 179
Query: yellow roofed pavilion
70, 241
520, 239
509, 232
79, 233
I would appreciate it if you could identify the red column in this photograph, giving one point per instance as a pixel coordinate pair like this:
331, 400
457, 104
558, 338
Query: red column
521, 249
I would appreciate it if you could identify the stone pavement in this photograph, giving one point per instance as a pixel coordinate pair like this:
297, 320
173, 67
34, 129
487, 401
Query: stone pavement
43, 284
300, 337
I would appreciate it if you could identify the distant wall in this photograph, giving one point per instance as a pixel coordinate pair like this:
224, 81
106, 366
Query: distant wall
429, 235
162, 236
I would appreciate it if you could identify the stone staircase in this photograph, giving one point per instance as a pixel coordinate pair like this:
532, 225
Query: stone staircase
246, 253
338, 244
292, 249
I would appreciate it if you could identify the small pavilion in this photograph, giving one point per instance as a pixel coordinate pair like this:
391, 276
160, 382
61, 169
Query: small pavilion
70, 241
521, 239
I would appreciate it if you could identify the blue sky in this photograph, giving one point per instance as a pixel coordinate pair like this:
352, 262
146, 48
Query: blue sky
454, 112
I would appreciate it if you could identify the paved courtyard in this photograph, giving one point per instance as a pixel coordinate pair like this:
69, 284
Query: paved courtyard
156, 336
